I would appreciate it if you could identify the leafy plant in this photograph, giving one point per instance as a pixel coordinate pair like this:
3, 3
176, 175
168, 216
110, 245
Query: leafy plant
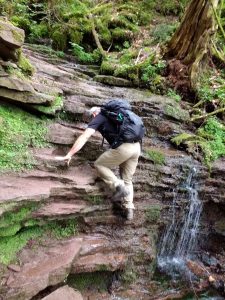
172, 94
156, 156
63, 229
83, 56
210, 139
163, 32
169, 7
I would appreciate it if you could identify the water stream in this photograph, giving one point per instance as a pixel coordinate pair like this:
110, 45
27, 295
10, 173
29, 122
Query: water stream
179, 241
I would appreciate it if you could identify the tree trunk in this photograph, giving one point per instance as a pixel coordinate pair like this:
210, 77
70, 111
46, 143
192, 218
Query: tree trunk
191, 41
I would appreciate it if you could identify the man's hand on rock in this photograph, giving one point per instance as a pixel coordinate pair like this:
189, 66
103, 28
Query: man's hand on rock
66, 158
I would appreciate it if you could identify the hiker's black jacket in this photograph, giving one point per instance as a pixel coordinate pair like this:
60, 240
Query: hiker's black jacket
106, 127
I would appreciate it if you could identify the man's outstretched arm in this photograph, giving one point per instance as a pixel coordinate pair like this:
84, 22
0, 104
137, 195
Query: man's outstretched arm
79, 143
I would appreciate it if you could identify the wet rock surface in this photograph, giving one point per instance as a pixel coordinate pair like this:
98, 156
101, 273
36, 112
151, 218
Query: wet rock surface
104, 241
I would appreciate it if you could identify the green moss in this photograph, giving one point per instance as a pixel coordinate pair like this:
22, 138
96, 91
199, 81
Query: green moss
16, 216
76, 36
152, 213
10, 245
21, 22
176, 112
85, 57
89, 281
55, 106
25, 65
107, 67
18, 226
120, 34
11, 230
123, 71
129, 275
210, 138
181, 138
19, 37
59, 39
19, 132
172, 94
156, 156
163, 32
94, 199
62, 229
105, 33
38, 31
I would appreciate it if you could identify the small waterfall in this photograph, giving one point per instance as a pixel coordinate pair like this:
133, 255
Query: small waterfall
180, 238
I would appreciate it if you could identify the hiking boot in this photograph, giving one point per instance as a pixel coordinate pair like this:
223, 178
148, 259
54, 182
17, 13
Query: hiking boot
120, 193
129, 214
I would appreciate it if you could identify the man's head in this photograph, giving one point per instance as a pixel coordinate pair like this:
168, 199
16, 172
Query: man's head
91, 113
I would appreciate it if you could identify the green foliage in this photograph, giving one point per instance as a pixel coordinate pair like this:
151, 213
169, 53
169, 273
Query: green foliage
25, 65
55, 106
83, 56
210, 138
108, 67
180, 138
120, 34
212, 86
163, 32
16, 216
151, 74
17, 227
214, 133
173, 7
48, 50
156, 156
129, 275
172, 94
19, 131
21, 22
152, 213
38, 31
87, 281
62, 229
10, 230
176, 112
10, 245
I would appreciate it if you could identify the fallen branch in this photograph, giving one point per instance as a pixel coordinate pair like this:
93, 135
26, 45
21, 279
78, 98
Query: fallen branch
95, 35
208, 115
136, 61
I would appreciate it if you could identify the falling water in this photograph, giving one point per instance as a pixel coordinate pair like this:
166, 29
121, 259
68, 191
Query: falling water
180, 238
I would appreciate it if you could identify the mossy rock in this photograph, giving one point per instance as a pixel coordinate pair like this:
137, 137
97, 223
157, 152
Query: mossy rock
176, 112
111, 80
86, 281
120, 34
25, 65
51, 110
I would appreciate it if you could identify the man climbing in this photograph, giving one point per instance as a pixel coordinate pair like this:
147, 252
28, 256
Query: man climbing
123, 130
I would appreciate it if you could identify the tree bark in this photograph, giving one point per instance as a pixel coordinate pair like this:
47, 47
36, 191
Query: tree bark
191, 41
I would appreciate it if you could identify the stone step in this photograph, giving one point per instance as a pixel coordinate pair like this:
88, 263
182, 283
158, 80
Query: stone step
48, 265
65, 293
99, 262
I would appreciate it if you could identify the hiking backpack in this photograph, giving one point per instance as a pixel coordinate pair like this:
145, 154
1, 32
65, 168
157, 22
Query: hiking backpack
130, 126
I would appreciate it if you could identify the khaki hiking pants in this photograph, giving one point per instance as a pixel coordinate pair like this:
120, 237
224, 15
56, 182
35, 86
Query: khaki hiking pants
126, 157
